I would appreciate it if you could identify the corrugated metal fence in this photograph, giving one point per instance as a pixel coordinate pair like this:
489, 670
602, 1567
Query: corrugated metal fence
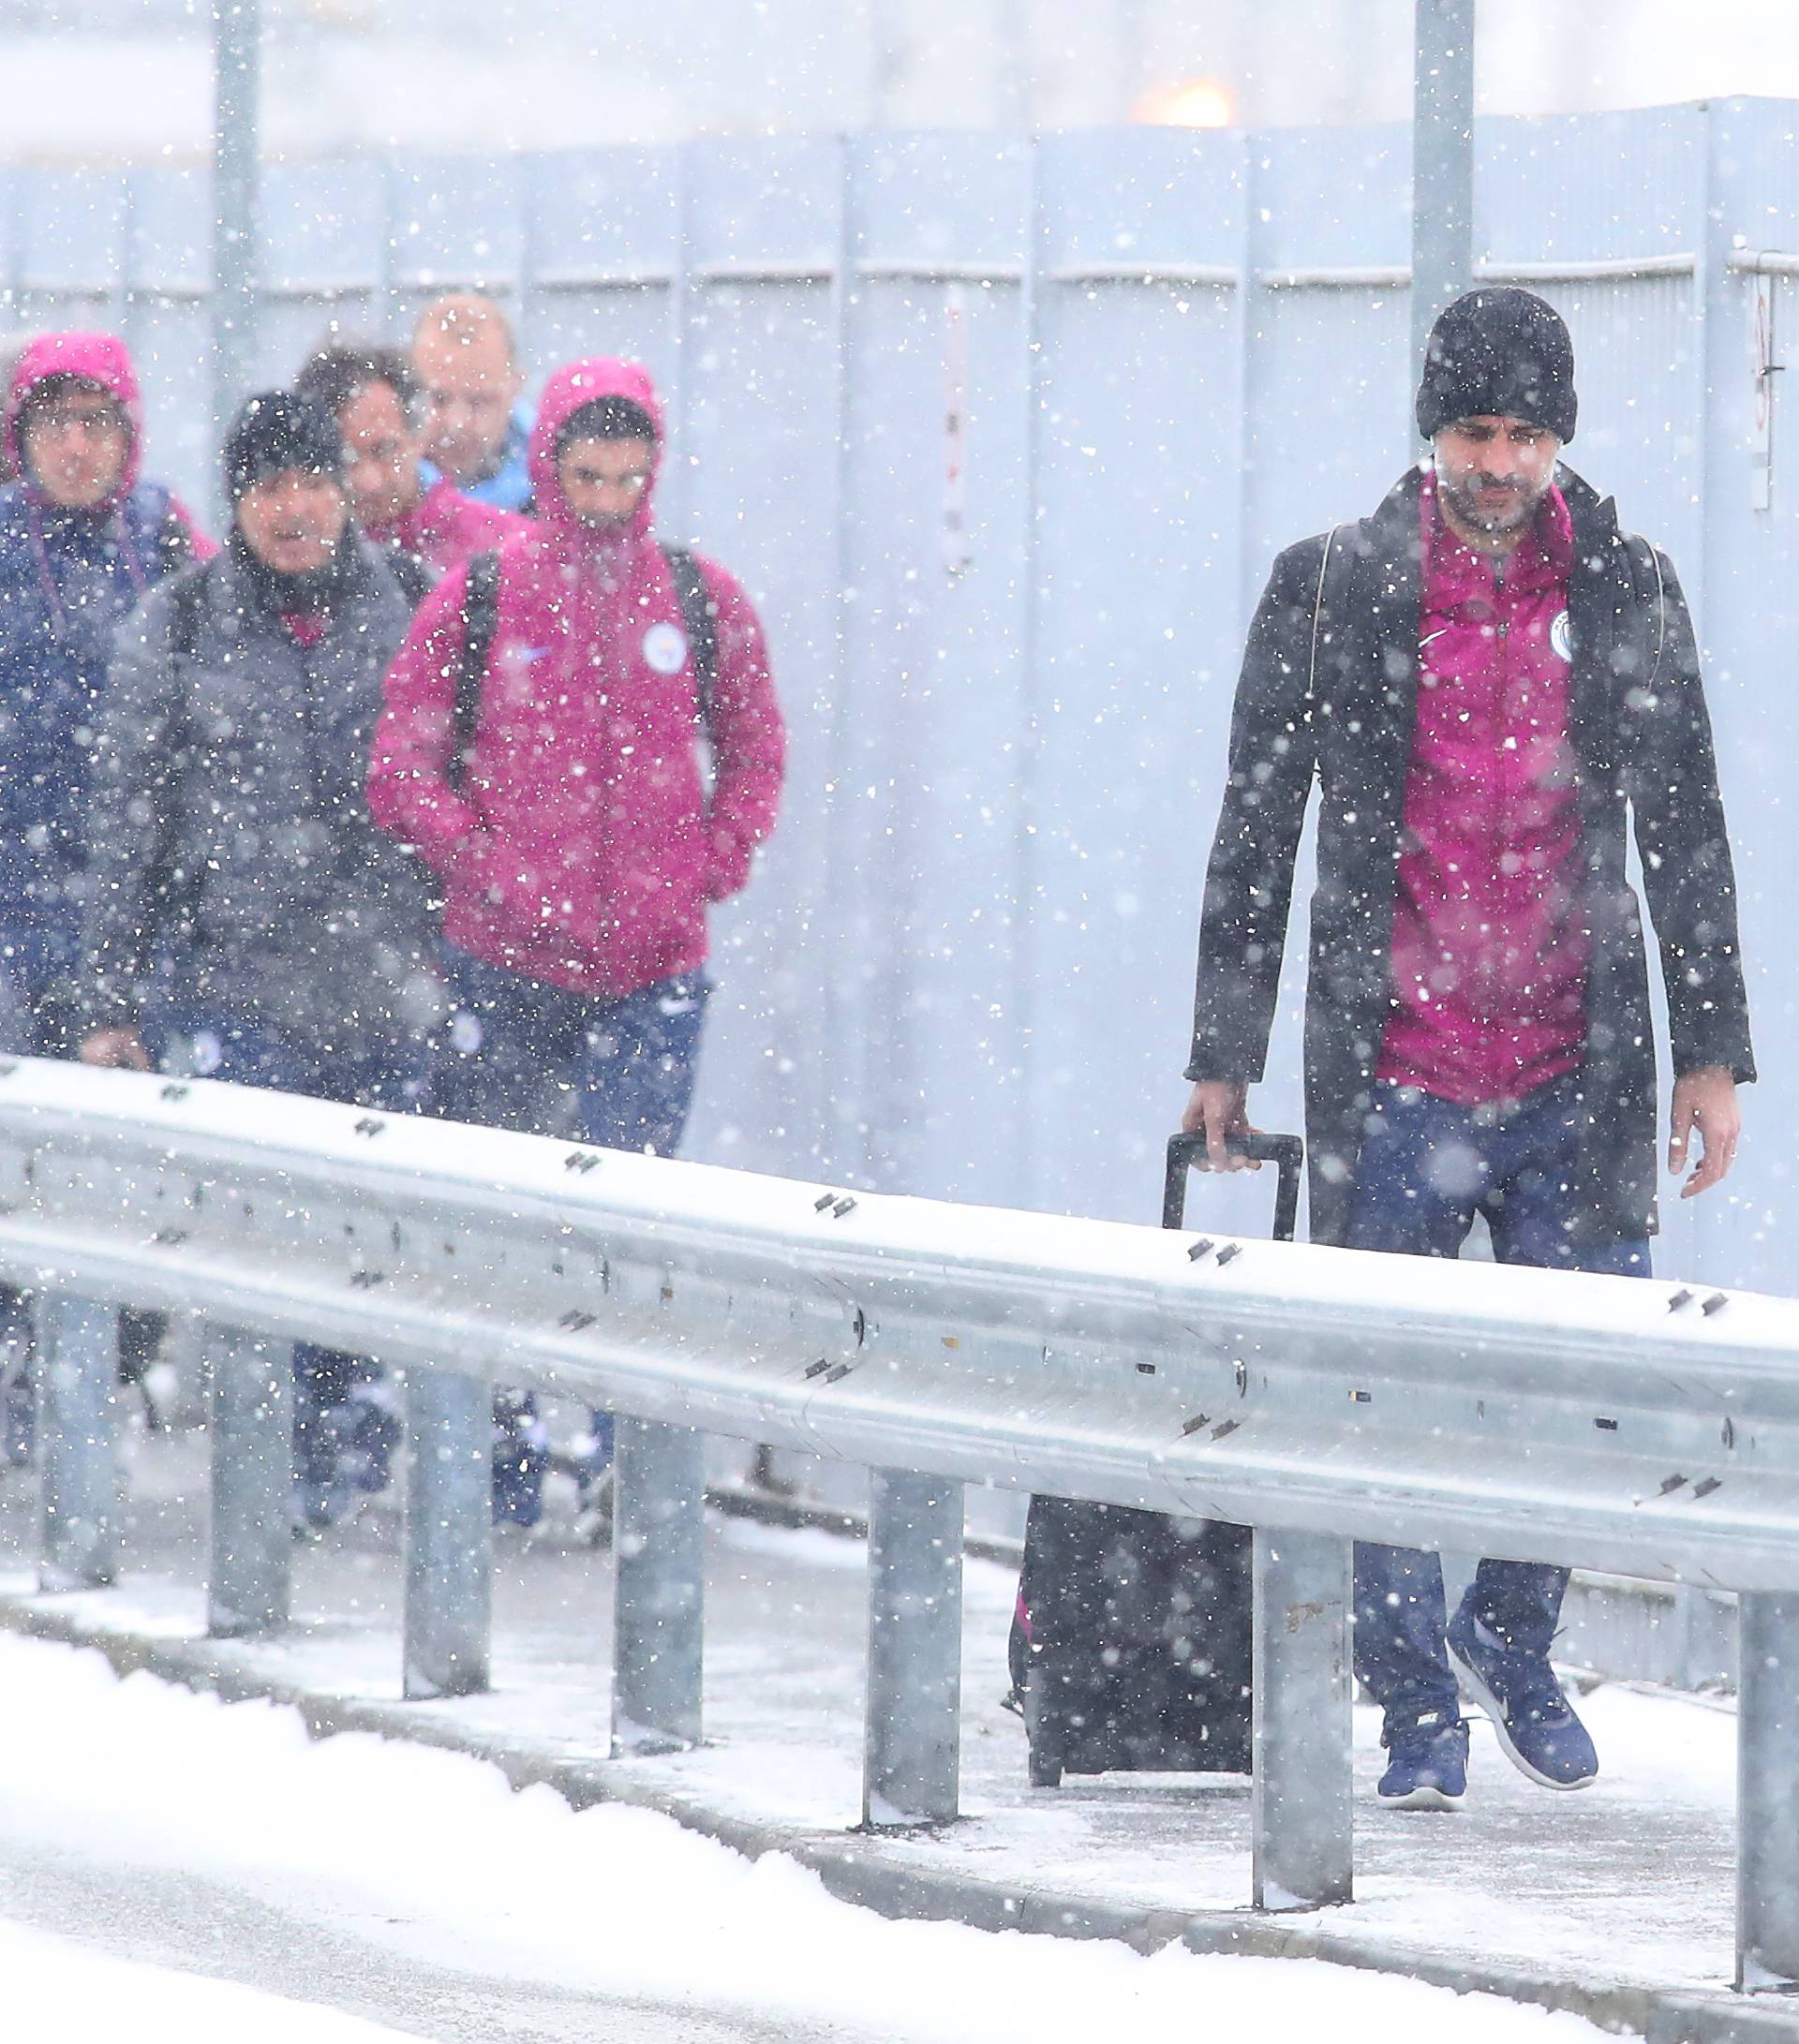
964, 969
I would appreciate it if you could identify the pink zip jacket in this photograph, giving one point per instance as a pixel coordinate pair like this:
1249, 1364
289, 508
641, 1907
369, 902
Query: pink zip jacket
583, 847
1489, 949
445, 526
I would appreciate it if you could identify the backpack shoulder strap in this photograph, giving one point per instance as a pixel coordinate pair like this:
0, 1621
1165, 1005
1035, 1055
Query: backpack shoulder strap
700, 616
480, 621
415, 579
185, 592
174, 544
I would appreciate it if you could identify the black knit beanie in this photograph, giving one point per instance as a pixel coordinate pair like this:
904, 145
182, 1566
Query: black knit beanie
275, 431
1498, 352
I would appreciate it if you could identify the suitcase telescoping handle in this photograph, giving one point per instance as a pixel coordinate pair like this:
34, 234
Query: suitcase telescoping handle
1188, 1153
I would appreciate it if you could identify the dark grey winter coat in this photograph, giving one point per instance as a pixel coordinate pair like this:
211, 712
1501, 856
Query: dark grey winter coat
1642, 738
228, 812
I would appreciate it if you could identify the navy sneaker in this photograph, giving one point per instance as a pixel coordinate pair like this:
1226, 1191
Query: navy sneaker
319, 1504
1535, 1722
1427, 1766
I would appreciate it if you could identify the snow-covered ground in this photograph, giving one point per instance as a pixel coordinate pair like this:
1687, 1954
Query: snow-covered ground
1624, 1888
63, 1987
429, 1859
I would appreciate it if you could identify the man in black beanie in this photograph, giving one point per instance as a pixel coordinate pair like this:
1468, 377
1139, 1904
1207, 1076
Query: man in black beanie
1483, 679
227, 819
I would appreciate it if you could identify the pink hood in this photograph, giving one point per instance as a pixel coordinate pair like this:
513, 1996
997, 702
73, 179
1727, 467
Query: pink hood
565, 393
97, 358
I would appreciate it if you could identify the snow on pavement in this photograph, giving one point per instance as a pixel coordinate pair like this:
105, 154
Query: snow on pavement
56, 1987
431, 1854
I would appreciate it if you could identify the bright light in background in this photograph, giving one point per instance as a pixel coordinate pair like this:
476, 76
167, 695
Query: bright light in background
1196, 102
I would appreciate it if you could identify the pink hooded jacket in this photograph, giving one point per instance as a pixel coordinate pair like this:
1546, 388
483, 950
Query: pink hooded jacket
446, 526
582, 848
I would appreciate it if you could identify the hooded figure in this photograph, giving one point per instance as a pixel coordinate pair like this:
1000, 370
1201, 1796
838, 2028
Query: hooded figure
572, 827
580, 847
82, 539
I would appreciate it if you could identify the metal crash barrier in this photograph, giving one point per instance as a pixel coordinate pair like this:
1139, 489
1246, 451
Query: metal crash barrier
1322, 1396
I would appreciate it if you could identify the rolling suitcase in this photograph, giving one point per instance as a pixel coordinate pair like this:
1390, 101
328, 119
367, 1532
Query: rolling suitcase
1130, 1647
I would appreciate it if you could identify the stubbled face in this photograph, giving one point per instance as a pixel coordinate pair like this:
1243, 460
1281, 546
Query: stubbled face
381, 455
293, 522
75, 441
1493, 472
604, 481
471, 384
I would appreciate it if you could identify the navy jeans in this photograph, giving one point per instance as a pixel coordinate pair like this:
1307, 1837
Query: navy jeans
521, 1054
346, 1423
1427, 1167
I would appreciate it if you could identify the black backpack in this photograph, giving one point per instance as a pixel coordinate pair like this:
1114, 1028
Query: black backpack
481, 619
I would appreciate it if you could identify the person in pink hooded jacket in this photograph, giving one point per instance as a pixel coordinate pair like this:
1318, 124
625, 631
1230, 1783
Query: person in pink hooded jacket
577, 840
82, 539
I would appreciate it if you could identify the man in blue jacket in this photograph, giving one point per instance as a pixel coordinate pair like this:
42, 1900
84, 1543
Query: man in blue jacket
477, 432
82, 538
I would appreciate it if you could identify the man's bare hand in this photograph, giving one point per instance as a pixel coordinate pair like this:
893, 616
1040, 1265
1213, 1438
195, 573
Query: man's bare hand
120, 1049
1705, 1100
1218, 1108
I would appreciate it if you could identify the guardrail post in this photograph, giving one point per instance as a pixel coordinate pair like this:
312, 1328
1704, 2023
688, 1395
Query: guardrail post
659, 1601
1767, 1792
251, 1408
449, 1534
1300, 1807
910, 1751
78, 1412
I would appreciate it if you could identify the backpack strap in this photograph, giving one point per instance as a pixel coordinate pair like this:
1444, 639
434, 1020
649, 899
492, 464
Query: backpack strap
174, 544
414, 577
480, 621
185, 592
700, 616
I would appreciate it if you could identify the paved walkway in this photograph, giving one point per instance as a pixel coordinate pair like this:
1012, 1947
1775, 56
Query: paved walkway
1628, 1884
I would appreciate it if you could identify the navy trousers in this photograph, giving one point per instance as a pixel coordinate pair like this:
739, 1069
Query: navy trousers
1427, 1168
346, 1420
520, 1054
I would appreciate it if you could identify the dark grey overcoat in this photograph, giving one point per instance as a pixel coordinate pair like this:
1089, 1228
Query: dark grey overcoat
1643, 743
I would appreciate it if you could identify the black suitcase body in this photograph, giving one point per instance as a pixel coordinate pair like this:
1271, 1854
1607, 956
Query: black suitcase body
1131, 1644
